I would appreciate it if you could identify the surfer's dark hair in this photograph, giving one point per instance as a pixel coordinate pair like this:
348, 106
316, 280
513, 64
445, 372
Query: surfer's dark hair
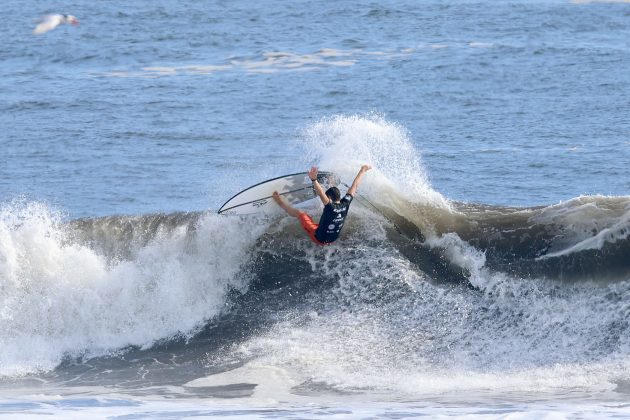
333, 193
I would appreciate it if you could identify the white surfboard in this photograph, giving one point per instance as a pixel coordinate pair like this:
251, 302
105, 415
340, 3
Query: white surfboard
294, 188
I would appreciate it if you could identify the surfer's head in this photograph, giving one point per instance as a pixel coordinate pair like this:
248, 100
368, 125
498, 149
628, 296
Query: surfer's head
334, 194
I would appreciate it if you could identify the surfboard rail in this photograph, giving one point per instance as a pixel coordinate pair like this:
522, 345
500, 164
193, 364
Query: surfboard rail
295, 188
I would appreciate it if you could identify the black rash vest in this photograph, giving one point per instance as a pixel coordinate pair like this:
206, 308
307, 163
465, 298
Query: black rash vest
332, 219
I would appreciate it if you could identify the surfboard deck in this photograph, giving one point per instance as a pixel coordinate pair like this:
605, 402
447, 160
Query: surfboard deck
294, 188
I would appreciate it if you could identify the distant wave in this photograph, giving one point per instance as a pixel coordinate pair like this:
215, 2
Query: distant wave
283, 61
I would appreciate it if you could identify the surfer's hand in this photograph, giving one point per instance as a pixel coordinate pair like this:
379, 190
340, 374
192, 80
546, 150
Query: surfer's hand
365, 168
312, 174
276, 197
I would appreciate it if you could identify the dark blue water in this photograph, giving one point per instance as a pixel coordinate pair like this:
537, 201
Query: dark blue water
508, 103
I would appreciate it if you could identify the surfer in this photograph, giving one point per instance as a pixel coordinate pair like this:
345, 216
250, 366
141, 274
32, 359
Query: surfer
335, 208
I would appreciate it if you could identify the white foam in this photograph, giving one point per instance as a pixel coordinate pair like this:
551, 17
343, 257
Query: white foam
588, 222
281, 61
343, 143
61, 298
356, 350
390, 330
272, 383
270, 62
465, 256
476, 44
108, 405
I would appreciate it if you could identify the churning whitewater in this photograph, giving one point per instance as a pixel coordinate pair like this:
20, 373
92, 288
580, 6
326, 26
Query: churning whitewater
420, 295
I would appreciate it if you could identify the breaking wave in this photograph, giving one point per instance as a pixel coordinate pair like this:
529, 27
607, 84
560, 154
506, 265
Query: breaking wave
420, 293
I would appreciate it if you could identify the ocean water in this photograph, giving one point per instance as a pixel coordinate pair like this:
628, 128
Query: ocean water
484, 271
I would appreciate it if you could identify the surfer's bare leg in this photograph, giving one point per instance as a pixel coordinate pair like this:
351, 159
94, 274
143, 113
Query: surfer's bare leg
291, 211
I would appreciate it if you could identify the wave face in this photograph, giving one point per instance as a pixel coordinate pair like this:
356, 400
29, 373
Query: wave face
93, 286
420, 294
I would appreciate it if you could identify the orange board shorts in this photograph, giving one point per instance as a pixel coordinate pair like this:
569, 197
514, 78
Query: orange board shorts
310, 227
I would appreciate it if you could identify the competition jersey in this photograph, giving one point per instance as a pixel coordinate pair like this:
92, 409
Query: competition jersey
332, 219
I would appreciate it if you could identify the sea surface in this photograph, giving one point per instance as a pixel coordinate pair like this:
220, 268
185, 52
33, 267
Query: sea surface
484, 269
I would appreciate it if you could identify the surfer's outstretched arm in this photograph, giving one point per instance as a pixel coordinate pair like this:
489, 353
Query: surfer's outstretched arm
312, 174
357, 180
291, 211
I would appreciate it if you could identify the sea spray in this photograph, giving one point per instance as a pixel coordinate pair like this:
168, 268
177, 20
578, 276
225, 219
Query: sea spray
343, 143
63, 298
